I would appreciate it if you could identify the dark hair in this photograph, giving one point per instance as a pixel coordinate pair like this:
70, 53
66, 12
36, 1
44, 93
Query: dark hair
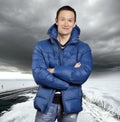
66, 8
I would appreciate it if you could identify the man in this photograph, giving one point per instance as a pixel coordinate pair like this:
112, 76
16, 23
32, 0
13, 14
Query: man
60, 65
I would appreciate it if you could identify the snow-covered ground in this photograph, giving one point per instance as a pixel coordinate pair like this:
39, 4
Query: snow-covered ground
12, 84
104, 91
21, 112
101, 102
24, 112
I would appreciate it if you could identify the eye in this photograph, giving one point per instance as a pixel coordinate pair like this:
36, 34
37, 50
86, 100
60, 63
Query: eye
70, 20
62, 19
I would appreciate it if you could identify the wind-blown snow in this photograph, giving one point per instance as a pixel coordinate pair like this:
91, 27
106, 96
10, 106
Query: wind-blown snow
104, 92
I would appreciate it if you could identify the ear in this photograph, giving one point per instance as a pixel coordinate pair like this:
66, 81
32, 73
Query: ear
56, 21
75, 24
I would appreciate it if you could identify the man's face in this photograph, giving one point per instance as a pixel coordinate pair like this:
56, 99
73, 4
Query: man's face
65, 22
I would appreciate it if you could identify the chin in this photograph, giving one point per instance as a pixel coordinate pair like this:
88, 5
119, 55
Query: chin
65, 33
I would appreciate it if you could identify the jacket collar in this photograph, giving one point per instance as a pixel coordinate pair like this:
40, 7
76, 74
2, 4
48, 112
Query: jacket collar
52, 32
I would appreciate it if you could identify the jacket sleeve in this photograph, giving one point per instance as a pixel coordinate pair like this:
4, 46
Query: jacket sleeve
74, 75
41, 75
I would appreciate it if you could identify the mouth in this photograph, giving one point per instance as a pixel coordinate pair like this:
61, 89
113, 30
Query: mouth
65, 28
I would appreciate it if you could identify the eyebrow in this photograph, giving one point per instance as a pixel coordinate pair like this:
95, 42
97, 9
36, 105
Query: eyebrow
68, 18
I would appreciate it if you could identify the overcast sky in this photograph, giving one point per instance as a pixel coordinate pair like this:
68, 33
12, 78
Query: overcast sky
23, 23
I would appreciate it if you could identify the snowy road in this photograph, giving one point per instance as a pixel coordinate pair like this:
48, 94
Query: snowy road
23, 111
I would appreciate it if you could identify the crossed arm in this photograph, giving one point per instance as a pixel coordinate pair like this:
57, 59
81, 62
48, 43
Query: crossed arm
52, 70
76, 74
60, 76
72, 75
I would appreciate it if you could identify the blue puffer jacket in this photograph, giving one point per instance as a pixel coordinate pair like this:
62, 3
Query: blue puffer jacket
67, 78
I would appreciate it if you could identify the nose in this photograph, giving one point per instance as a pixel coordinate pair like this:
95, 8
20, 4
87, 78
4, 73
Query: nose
66, 23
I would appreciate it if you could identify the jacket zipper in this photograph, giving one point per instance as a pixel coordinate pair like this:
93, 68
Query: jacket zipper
59, 56
60, 62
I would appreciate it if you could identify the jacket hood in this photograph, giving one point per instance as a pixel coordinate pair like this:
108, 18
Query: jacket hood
53, 32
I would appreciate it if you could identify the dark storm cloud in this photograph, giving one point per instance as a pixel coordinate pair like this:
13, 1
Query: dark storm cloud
101, 29
23, 23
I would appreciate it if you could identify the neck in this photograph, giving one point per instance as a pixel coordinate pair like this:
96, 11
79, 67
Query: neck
63, 39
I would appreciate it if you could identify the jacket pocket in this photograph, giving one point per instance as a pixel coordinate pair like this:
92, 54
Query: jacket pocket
43, 98
72, 99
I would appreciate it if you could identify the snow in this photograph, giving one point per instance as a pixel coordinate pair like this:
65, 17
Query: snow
97, 113
85, 117
24, 112
12, 84
101, 102
14, 74
104, 92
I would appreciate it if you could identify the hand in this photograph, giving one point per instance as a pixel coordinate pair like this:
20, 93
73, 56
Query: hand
51, 70
77, 65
